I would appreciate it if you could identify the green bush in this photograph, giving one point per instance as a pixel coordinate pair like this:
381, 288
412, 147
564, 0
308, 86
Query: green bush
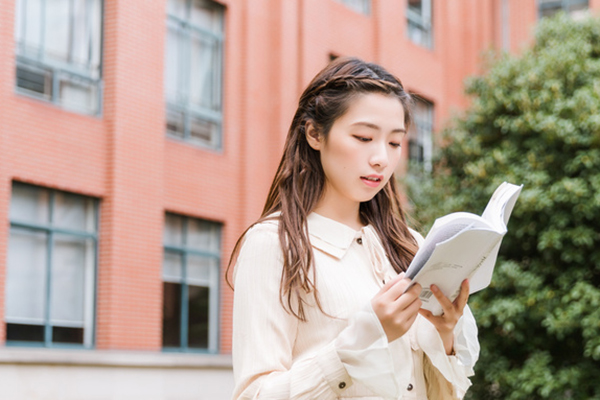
534, 120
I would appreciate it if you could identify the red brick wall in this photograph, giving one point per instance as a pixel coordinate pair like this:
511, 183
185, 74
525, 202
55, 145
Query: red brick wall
272, 49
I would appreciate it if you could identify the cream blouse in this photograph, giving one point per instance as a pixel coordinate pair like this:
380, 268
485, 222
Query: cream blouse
344, 354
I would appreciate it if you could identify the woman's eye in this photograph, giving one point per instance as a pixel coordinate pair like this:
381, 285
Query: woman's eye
395, 144
362, 138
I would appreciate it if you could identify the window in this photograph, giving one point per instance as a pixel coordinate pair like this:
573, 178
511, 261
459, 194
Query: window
420, 135
192, 254
361, 6
51, 268
193, 69
419, 18
59, 52
551, 7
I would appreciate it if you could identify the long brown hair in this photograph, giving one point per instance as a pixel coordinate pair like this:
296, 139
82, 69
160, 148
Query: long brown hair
300, 180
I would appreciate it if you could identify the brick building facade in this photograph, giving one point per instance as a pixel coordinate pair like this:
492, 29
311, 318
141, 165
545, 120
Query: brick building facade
138, 139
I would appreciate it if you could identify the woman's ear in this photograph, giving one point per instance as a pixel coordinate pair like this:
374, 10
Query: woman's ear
313, 137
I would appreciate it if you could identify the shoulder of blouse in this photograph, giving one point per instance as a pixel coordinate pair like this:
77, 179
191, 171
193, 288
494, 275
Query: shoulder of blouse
261, 238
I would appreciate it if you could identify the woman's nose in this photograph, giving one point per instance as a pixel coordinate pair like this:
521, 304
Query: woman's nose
379, 157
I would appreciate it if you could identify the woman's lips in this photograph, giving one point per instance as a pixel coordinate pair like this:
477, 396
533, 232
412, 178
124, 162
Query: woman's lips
372, 180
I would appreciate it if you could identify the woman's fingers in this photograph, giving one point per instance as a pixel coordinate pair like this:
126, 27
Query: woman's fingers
445, 302
392, 282
426, 313
463, 296
396, 306
402, 287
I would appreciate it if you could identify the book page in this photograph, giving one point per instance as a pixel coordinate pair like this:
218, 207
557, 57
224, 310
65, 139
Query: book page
453, 261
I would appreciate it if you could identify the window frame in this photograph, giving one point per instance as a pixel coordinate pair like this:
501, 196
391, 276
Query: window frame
50, 231
184, 106
213, 283
59, 71
422, 132
361, 6
563, 4
423, 22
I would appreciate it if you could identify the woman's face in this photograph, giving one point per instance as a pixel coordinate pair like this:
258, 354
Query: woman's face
362, 149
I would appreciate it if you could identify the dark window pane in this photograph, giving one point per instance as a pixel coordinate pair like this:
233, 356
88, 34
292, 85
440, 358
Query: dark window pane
203, 131
67, 335
175, 124
198, 298
416, 6
38, 81
415, 151
171, 314
25, 333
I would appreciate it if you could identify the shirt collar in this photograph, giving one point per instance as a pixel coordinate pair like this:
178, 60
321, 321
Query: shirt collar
329, 236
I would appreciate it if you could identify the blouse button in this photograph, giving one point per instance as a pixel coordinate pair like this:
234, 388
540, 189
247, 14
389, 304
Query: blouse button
342, 385
410, 387
359, 240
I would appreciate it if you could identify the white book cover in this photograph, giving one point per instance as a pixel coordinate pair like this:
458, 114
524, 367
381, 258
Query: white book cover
462, 246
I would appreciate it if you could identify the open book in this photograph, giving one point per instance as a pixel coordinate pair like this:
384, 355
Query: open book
462, 245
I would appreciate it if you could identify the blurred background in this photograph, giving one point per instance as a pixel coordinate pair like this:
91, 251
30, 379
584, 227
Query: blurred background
138, 139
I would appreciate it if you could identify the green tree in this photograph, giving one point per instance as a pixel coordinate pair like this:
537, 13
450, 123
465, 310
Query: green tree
534, 120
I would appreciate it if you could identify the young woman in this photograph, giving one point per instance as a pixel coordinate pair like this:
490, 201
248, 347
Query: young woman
320, 308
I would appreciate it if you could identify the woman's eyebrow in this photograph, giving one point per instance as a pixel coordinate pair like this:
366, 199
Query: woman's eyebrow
376, 127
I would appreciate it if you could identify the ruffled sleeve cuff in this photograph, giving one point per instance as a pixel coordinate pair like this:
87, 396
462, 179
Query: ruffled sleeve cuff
367, 357
453, 370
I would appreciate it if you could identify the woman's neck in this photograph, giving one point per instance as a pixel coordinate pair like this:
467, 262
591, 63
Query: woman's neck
347, 214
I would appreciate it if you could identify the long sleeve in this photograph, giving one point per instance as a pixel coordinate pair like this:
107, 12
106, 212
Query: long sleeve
455, 369
264, 335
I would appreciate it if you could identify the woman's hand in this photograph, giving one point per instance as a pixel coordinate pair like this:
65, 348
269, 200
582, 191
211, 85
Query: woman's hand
395, 309
446, 322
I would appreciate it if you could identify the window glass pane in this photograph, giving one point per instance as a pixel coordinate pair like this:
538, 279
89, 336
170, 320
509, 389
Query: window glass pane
177, 8
57, 26
203, 235
173, 233
74, 212
171, 328
198, 316
70, 265
547, 12
96, 38
81, 33
203, 132
419, 22
202, 60
362, 6
174, 58
175, 123
29, 204
36, 81
30, 26
26, 276
421, 134
172, 267
200, 269
78, 94
19, 24
578, 9
416, 6
25, 333
61, 334
206, 15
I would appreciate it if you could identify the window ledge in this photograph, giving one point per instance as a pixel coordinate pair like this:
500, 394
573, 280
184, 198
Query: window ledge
113, 358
